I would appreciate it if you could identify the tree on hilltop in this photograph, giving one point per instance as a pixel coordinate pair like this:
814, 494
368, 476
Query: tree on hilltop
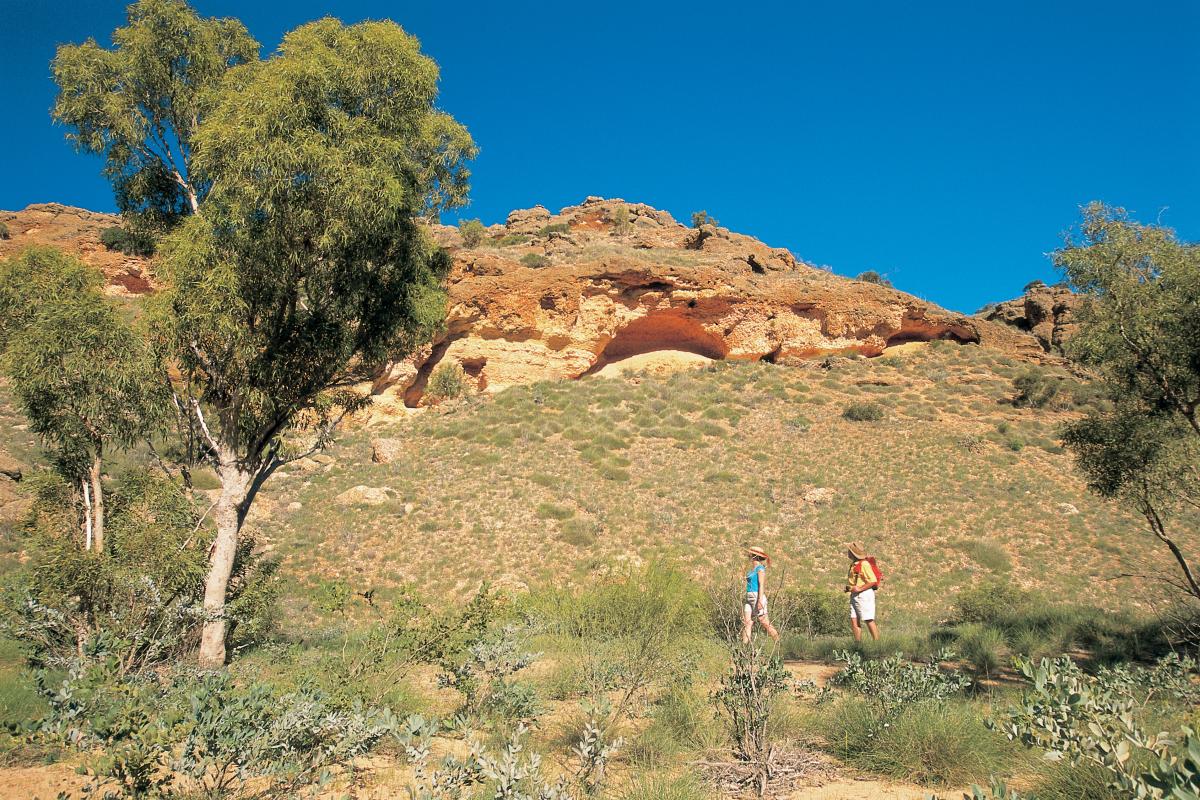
1140, 332
304, 265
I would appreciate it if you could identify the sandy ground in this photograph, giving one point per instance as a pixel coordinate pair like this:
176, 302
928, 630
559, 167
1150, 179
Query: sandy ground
660, 362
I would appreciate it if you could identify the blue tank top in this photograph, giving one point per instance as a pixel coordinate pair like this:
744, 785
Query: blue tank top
752, 578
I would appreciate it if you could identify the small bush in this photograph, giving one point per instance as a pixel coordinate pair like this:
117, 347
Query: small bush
4, 234
620, 221
552, 511
871, 276
989, 602
535, 260
447, 381
578, 532
1036, 389
666, 787
816, 612
703, 218
864, 412
131, 244
938, 744
472, 231
510, 239
984, 649
557, 227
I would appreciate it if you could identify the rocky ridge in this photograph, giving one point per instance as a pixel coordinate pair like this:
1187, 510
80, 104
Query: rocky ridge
1046, 312
548, 296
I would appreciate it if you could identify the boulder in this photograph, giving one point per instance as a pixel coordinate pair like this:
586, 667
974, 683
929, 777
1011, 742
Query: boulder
1047, 312
364, 496
385, 451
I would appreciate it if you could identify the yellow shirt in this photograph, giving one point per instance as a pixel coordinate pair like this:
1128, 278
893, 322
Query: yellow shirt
861, 575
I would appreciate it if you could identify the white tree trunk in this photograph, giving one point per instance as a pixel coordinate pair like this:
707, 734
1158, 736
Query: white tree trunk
97, 514
87, 515
228, 513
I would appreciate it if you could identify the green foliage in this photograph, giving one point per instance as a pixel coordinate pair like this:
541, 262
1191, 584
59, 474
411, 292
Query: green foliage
1141, 333
871, 276
448, 381
746, 698
472, 231
131, 244
557, 227
933, 742
4, 234
815, 612
202, 733
508, 775
665, 787
136, 602
1094, 719
535, 260
988, 602
893, 684
700, 218
983, 648
1036, 389
509, 239
864, 412
621, 222
140, 104
85, 379
483, 675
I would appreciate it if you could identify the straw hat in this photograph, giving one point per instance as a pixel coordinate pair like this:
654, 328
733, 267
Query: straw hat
857, 550
758, 552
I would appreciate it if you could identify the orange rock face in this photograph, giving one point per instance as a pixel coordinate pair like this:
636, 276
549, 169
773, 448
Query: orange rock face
77, 231
611, 292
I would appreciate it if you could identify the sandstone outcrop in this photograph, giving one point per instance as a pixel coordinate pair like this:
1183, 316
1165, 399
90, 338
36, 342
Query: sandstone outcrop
77, 231
608, 293
1047, 312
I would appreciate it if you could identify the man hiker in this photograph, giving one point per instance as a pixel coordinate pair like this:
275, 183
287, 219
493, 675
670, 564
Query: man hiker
861, 583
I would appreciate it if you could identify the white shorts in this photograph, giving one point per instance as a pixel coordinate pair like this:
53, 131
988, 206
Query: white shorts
751, 603
862, 606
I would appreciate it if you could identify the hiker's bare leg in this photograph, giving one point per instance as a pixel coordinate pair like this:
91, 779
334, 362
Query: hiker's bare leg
857, 630
747, 624
769, 628
874, 629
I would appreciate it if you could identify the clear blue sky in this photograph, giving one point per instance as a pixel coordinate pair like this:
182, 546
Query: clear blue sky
945, 144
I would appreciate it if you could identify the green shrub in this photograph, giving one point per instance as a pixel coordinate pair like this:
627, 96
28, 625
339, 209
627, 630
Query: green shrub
557, 227
1062, 780
816, 612
472, 232
983, 648
666, 787
893, 684
989, 602
578, 532
447, 381
702, 218
136, 601
535, 260
864, 412
1036, 389
510, 239
552, 511
127, 242
936, 744
871, 276
621, 223
4, 234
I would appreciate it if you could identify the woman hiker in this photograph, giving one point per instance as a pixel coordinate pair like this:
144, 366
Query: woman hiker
756, 595
861, 583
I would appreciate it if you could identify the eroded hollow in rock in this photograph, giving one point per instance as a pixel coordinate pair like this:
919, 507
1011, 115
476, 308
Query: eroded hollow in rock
660, 332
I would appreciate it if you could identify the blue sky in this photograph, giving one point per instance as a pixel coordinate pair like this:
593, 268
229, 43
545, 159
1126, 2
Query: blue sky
944, 144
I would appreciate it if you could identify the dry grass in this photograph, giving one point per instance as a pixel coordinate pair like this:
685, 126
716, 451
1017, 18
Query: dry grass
557, 481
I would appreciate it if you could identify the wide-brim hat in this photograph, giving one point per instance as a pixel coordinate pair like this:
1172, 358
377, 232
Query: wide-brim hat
857, 550
758, 552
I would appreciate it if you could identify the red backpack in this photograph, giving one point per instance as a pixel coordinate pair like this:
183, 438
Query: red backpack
878, 572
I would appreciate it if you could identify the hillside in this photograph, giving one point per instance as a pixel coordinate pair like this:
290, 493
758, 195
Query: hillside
552, 482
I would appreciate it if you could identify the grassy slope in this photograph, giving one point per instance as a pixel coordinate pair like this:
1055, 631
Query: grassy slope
556, 481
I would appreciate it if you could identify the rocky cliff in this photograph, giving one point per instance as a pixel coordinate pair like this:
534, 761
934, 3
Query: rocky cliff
1046, 312
549, 296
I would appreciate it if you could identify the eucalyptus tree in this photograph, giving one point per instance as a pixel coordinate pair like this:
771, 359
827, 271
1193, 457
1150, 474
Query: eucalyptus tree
1140, 333
299, 263
85, 379
306, 265
140, 103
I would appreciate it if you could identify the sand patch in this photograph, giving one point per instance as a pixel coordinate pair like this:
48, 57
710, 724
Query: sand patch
659, 362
